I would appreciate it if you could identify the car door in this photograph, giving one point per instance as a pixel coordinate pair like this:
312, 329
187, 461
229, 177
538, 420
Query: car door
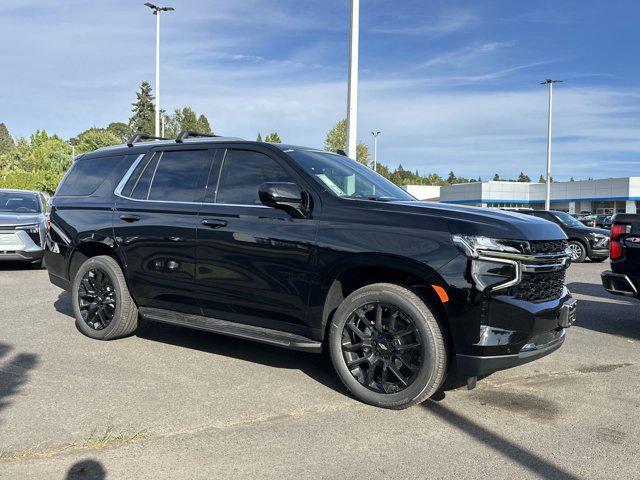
155, 225
254, 262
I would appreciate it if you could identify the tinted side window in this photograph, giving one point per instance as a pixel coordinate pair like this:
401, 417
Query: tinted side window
140, 188
242, 173
87, 174
179, 176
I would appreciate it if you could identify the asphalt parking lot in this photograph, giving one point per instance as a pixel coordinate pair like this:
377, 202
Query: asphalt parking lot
175, 403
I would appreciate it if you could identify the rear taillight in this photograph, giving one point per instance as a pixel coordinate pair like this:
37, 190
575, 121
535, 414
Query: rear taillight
616, 249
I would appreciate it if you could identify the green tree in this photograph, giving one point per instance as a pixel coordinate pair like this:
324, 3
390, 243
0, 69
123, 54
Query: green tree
120, 130
496, 177
451, 179
95, 138
337, 140
541, 179
259, 139
524, 178
6, 141
203, 124
143, 118
273, 138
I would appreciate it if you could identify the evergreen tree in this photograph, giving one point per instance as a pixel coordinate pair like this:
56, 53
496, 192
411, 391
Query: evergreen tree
259, 139
496, 178
203, 124
143, 118
337, 140
524, 178
273, 138
6, 141
451, 179
541, 179
571, 179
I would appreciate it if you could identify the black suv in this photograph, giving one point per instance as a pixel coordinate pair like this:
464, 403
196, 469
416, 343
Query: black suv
584, 241
308, 250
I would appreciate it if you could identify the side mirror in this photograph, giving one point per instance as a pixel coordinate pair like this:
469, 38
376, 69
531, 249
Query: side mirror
285, 196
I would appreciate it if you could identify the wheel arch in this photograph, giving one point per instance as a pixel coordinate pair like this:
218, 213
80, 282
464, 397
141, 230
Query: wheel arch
416, 276
91, 248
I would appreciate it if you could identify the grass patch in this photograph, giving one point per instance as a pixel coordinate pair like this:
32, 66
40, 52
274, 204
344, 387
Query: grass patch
97, 440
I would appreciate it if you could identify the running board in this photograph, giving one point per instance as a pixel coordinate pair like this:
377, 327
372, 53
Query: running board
233, 329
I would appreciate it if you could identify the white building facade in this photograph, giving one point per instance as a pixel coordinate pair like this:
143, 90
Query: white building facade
602, 196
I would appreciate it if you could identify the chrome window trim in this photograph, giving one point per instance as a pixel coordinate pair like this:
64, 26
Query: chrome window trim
118, 191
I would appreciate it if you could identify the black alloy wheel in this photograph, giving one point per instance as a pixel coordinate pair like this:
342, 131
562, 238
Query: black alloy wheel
97, 298
382, 347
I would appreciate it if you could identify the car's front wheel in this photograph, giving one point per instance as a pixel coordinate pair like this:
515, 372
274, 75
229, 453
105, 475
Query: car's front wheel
387, 347
101, 301
578, 252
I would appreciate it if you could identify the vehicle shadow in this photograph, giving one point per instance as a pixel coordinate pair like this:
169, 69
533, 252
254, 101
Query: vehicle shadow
88, 469
12, 266
317, 367
536, 464
606, 313
14, 372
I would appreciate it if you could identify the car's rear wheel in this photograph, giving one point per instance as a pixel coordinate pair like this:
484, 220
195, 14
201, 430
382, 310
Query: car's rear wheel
578, 252
387, 347
101, 301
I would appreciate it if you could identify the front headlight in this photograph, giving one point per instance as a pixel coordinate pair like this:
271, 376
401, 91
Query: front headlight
29, 228
487, 271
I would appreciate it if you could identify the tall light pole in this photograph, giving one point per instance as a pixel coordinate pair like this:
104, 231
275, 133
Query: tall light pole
549, 82
352, 96
156, 11
375, 150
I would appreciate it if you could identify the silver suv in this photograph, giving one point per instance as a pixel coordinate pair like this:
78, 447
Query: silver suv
22, 226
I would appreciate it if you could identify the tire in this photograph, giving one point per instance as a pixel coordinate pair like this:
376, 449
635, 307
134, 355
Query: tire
599, 259
578, 251
427, 374
116, 321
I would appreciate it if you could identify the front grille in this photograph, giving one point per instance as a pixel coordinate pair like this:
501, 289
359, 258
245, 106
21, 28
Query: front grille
539, 247
540, 287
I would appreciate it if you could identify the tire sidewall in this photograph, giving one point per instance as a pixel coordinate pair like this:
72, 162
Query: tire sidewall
107, 267
425, 378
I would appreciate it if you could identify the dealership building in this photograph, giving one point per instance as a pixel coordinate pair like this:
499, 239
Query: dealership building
602, 196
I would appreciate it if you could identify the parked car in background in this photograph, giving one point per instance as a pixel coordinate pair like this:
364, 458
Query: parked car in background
601, 221
310, 250
22, 226
584, 242
624, 277
588, 220
606, 224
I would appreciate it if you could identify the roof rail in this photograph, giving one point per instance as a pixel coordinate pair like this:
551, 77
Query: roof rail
192, 133
142, 136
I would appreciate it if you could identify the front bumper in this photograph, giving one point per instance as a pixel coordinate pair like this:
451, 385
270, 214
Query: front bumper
514, 333
619, 284
17, 245
599, 253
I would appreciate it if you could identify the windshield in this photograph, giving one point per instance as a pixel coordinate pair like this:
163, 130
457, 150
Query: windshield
18, 202
567, 219
347, 178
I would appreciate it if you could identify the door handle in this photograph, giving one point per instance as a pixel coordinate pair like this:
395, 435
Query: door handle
211, 223
129, 218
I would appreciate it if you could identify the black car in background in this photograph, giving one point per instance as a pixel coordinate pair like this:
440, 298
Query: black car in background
624, 277
584, 242
310, 250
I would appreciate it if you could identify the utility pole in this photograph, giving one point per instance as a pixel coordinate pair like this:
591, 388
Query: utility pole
549, 82
156, 11
352, 96
375, 150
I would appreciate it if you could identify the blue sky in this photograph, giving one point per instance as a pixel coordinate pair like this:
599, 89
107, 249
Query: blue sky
451, 85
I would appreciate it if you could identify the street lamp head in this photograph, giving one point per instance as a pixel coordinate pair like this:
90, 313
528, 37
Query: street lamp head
549, 80
157, 9
375, 134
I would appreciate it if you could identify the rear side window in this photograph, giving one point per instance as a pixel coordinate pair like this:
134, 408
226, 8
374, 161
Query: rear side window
87, 174
143, 182
242, 173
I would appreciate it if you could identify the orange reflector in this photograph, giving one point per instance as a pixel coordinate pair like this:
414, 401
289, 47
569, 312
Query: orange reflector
442, 294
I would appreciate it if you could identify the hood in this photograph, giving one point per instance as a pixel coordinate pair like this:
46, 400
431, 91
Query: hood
487, 222
19, 218
585, 229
